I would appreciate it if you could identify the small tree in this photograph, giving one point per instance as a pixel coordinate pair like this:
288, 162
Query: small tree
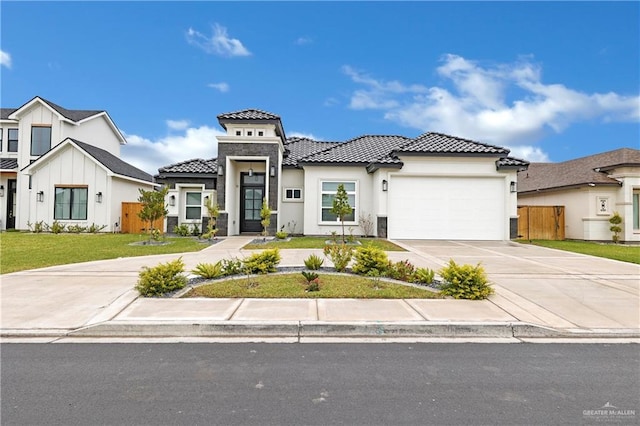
153, 208
615, 227
213, 211
265, 214
341, 206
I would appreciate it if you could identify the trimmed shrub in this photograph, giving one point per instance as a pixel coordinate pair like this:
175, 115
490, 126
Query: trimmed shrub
401, 270
424, 275
313, 262
369, 258
340, 255
231, 267
208, 270
281, 235
263, 262
161, 279
181, 230
465, 281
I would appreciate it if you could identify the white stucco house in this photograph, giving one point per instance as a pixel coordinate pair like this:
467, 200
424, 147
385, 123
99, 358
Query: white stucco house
63, 165
434, 186
591, 189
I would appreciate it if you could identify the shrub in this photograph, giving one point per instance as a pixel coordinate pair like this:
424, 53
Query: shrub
182, 230
309, 276
340, 255
424, 275
262, 262
366, 223
401, 270
281, 235
313, 262
161, 279
76, 229
465, 281
195, 230
209, 270
37, 227
369, 258
265, 215
56, 227
615, 227
231, 267
94, 229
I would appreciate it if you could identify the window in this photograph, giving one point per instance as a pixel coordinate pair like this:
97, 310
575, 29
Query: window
249, 132
12, 140
40, 140
1, 133
328, 193
70, 204
636, 210
238, 132
260, 133
293, 194
194, 206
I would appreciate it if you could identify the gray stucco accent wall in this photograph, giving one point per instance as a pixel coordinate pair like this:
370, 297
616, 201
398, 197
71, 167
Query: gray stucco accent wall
513, 228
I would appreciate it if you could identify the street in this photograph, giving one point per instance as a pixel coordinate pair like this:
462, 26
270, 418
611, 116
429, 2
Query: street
352, 384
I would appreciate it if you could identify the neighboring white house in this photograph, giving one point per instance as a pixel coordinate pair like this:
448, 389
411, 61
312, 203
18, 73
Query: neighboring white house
63, 165
434, 186
591, 189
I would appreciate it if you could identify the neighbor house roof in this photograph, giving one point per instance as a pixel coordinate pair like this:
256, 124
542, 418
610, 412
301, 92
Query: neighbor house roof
194, 166
5, 112
9, 164
591, 170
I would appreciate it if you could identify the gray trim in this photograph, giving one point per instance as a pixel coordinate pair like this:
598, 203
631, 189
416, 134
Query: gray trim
381, 226
513, 228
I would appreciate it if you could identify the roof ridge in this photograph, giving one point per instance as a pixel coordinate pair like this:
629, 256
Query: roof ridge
68, 112
471, 140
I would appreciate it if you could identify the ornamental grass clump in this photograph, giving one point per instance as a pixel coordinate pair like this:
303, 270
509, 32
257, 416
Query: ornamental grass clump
161, 279
465, 281
313, 262
209, 271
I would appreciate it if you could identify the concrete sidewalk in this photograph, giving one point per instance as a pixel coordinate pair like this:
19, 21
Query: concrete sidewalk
539, 293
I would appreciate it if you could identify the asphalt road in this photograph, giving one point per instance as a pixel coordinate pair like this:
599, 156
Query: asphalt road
352, 384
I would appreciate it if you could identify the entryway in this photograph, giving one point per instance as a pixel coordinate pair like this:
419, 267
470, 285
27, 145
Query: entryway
251, 196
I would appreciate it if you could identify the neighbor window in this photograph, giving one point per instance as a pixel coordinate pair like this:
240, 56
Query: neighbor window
193, 206
12, 140
292, 194
636, 210
40, 140
70, 203
328, 194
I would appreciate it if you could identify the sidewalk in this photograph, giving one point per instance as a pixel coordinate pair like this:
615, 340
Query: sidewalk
538, 295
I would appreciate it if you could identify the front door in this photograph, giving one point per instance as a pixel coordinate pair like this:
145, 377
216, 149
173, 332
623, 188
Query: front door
251, 195
11, 204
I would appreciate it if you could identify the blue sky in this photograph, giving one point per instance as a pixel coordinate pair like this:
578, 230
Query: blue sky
550, 80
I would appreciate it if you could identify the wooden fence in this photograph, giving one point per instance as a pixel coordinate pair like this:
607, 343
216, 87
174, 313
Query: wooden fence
541, 222
131, 223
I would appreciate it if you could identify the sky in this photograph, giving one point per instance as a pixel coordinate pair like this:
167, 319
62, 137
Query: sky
551, 81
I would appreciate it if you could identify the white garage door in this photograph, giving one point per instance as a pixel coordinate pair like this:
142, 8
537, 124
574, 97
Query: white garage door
446, 208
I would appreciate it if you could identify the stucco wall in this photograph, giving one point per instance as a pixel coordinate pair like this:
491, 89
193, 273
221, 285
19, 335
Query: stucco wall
292, 212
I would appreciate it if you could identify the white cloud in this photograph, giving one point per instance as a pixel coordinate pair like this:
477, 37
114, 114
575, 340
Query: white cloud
478, 102
222, 86
5, 59
219, 43
529, 153
303, 40
149, 155
177, 124
302, 135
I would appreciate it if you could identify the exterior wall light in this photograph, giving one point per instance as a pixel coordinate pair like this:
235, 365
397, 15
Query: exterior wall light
513, 187
385, 185
250, 170
1, 190
272, 170
172, 200
99, 197
40, 196
220, 170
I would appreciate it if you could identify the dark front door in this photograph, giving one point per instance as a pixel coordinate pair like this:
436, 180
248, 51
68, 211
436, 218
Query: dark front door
251, 195
11, 204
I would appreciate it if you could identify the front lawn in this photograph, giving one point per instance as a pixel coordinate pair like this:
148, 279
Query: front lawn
622, 252
294, 286
24, 250
319, 243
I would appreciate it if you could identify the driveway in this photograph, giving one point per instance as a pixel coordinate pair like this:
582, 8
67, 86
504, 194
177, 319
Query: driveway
546, 286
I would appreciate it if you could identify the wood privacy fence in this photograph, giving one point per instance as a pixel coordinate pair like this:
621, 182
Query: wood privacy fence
541, 222
131, 223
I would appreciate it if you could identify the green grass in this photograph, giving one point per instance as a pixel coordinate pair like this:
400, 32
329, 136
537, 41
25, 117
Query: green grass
294, 286
23, 250
622, 252
320, 242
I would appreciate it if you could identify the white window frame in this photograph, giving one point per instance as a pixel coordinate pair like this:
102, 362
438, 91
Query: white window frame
635, 201
355, 201
293, 198
603, 207
187, 205
247, 131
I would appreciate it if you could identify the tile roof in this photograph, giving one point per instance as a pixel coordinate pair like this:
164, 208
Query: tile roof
113, 163
577, 172
439, 143
8, 164
361, 150
5, 112
248, 114
512, 162
297, 148
196, 166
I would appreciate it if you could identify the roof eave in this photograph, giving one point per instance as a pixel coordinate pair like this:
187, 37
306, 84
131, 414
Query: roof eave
572, 186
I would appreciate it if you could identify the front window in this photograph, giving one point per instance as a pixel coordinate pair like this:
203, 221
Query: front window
329, 190
40, 140
12, 140
70, 204
636, 210
293, 194
193, 206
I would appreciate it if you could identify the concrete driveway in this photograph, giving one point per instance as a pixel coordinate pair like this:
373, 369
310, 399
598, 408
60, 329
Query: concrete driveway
545, 286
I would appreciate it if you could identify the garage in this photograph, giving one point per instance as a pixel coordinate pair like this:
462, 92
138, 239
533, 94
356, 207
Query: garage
446, 208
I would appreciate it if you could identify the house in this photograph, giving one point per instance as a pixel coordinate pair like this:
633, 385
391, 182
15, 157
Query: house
434, 186
591, 189
63, 165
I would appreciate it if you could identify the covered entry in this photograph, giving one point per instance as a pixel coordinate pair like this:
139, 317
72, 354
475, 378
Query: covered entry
251, 196
446, 208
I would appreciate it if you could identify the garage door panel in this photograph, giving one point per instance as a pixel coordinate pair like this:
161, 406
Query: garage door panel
446, 208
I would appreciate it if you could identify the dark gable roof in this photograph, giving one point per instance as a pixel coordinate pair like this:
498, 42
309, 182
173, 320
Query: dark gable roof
439, 143
8, 164
361, 150
194, 166
73, 115
578, 172
5, 112
113, 163
248, 114
297, 148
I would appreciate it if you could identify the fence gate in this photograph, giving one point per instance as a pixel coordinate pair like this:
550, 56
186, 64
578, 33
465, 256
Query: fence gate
132, 224
541, 222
